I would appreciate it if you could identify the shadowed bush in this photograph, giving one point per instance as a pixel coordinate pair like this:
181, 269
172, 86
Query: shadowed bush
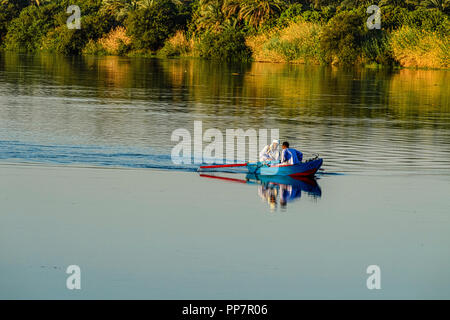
151, 26
72, 41
376, 48
342, 37
227, 45
26, 31
8, 12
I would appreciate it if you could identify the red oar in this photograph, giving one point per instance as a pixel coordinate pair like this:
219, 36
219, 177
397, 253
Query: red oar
224, 166
223, 178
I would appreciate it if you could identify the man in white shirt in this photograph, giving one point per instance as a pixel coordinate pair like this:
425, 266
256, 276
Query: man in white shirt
270, 152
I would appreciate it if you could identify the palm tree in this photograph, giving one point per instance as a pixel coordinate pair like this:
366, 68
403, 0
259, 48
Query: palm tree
355, 3
210, 16
39, 2
442, 5
117, 5
119, 8
256, 12
392, 2
149, 3
231, 8
144, 4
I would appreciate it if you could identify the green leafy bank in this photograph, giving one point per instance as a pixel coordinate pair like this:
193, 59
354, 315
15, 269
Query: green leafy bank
413, 33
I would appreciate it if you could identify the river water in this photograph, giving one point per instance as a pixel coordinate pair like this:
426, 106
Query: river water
381, 198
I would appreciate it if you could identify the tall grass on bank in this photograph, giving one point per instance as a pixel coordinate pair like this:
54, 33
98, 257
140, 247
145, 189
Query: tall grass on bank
177, 45
116, 42
412, 47
297, 43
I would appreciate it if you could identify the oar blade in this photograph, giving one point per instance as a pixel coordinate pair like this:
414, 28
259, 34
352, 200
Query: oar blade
222, 167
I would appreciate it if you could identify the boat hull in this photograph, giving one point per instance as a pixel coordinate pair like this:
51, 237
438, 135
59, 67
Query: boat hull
304, 169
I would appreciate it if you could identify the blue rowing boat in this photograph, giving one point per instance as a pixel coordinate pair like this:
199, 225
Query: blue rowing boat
304, 169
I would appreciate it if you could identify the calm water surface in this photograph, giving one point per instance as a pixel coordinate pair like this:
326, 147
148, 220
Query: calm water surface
117, 111
384, 136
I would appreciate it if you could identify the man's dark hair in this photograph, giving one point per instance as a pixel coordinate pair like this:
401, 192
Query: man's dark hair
286, 144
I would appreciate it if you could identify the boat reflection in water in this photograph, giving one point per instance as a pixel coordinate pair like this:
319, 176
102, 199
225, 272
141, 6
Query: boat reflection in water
277, 191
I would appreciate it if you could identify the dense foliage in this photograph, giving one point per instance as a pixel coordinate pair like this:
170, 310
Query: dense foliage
318, 31
343, 36
228, 45
152, 25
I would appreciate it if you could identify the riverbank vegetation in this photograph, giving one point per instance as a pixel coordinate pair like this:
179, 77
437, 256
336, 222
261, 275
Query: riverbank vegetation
414, 33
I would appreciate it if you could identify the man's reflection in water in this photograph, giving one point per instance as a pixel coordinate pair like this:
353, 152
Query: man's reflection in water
269, 193
288, 193
283, 190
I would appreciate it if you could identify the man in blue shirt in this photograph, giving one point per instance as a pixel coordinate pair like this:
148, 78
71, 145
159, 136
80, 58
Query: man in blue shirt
290, 155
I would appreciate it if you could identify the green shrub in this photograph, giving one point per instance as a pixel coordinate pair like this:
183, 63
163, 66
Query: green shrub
94, 48
393, 17
184, 14
124, 48
8, 11
72, 41
26, 31
322, 16
150, 27
431, 20
342, 37
65, 41
297, 13
327, 13
291, 14
376, 48
44, 27
228, 45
